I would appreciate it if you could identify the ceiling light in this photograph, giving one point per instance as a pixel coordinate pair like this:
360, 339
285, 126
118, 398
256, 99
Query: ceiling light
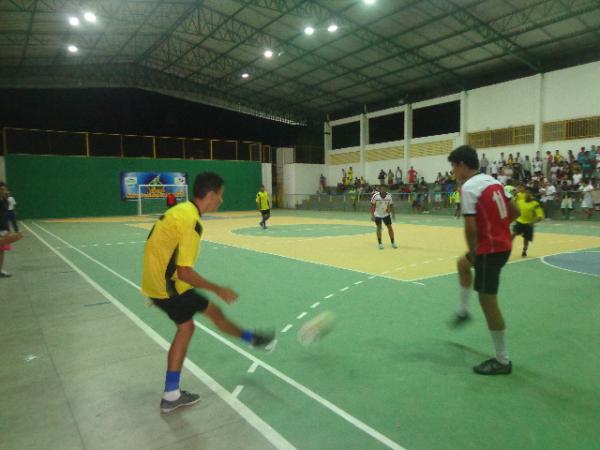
309, 30
74, 21
72, 49
369, 2
245, 75
268, 53
90, 17
332, 28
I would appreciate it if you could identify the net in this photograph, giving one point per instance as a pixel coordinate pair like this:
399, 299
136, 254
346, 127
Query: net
152, 198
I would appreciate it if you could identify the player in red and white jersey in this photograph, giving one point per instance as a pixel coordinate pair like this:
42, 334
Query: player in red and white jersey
382, 210
487, 213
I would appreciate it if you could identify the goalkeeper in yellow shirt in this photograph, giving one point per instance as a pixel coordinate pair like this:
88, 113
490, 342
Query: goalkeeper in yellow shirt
531, 212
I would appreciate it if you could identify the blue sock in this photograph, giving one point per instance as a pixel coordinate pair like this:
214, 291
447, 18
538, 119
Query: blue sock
247, 336
172, 381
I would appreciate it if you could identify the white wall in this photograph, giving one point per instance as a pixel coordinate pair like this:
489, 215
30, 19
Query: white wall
572, 93
372, 169
300, 181
333, 173
502, 105
267, 177
564, 94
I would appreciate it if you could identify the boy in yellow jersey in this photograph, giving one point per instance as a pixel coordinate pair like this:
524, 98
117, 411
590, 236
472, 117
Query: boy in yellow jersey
531, 212
169, 280
455, 198
263, 205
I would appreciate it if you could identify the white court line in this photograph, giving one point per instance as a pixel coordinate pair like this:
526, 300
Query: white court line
543, 259
329, 296
301, 315
314, 305
344, 288
287, 328
307, 261
529, 259
226, 396
246, 413
253, 367
358, 282
237, 390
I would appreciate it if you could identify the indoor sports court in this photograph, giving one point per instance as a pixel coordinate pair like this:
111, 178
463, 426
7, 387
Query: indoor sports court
307, 123
391, 374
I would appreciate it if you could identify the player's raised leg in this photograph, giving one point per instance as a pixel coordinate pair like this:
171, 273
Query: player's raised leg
465, 281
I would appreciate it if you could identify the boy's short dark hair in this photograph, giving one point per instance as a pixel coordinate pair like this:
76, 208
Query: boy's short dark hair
466, 155
207, 182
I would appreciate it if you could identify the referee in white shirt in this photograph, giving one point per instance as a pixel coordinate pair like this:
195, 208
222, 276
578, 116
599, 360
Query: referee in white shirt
382, 210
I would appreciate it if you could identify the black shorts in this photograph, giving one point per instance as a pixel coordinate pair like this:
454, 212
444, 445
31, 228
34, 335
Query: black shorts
487, 271
387, 220
265, 212
523, 229
182, 307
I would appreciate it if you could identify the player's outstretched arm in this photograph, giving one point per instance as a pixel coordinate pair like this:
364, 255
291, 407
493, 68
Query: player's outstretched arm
513, 211
190, 276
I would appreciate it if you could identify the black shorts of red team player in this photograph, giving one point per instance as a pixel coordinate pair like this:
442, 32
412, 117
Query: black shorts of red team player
487, 271
387, 220
181, 308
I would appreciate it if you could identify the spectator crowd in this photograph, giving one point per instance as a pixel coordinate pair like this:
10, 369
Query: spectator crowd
558, 181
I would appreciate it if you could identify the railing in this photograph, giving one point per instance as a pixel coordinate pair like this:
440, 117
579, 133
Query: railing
571, 129
86, 143
435, 203
502, 137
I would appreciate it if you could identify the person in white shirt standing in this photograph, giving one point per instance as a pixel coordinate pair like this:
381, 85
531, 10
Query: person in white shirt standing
11, 217
587, 203
382, 210
548, 193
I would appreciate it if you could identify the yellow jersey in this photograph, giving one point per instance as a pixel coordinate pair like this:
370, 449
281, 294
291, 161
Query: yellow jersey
520, 197
530, 211
455, 197
262, 200
173, 241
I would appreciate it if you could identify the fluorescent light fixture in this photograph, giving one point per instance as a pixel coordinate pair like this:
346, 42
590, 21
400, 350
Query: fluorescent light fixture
74, 21
369, 2
90, 17
72, 49
332, 28
245, 75
309, 30
268, 54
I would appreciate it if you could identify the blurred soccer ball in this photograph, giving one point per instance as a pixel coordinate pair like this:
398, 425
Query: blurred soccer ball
316, 328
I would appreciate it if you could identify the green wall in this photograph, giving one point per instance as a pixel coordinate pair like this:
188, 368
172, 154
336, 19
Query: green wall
71, 186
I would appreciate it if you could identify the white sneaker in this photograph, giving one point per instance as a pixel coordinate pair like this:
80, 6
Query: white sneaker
4, 274
394, 245
380, 246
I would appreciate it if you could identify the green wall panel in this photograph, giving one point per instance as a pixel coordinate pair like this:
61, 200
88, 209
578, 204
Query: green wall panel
71, 186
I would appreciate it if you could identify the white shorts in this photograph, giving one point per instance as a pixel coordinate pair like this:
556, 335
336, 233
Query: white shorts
587, 204
567, 203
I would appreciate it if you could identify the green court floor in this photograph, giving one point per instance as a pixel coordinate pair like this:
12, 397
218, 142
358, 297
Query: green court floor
391, 374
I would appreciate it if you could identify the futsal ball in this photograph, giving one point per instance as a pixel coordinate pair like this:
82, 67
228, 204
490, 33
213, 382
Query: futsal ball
316, 328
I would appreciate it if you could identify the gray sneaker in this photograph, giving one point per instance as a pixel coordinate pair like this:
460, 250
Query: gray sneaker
186, 399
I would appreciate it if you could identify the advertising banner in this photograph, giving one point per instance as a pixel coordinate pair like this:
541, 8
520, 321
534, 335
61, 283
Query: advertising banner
158, 184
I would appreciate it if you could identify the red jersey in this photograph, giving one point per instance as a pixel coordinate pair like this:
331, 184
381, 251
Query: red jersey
483, 196
412, 174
